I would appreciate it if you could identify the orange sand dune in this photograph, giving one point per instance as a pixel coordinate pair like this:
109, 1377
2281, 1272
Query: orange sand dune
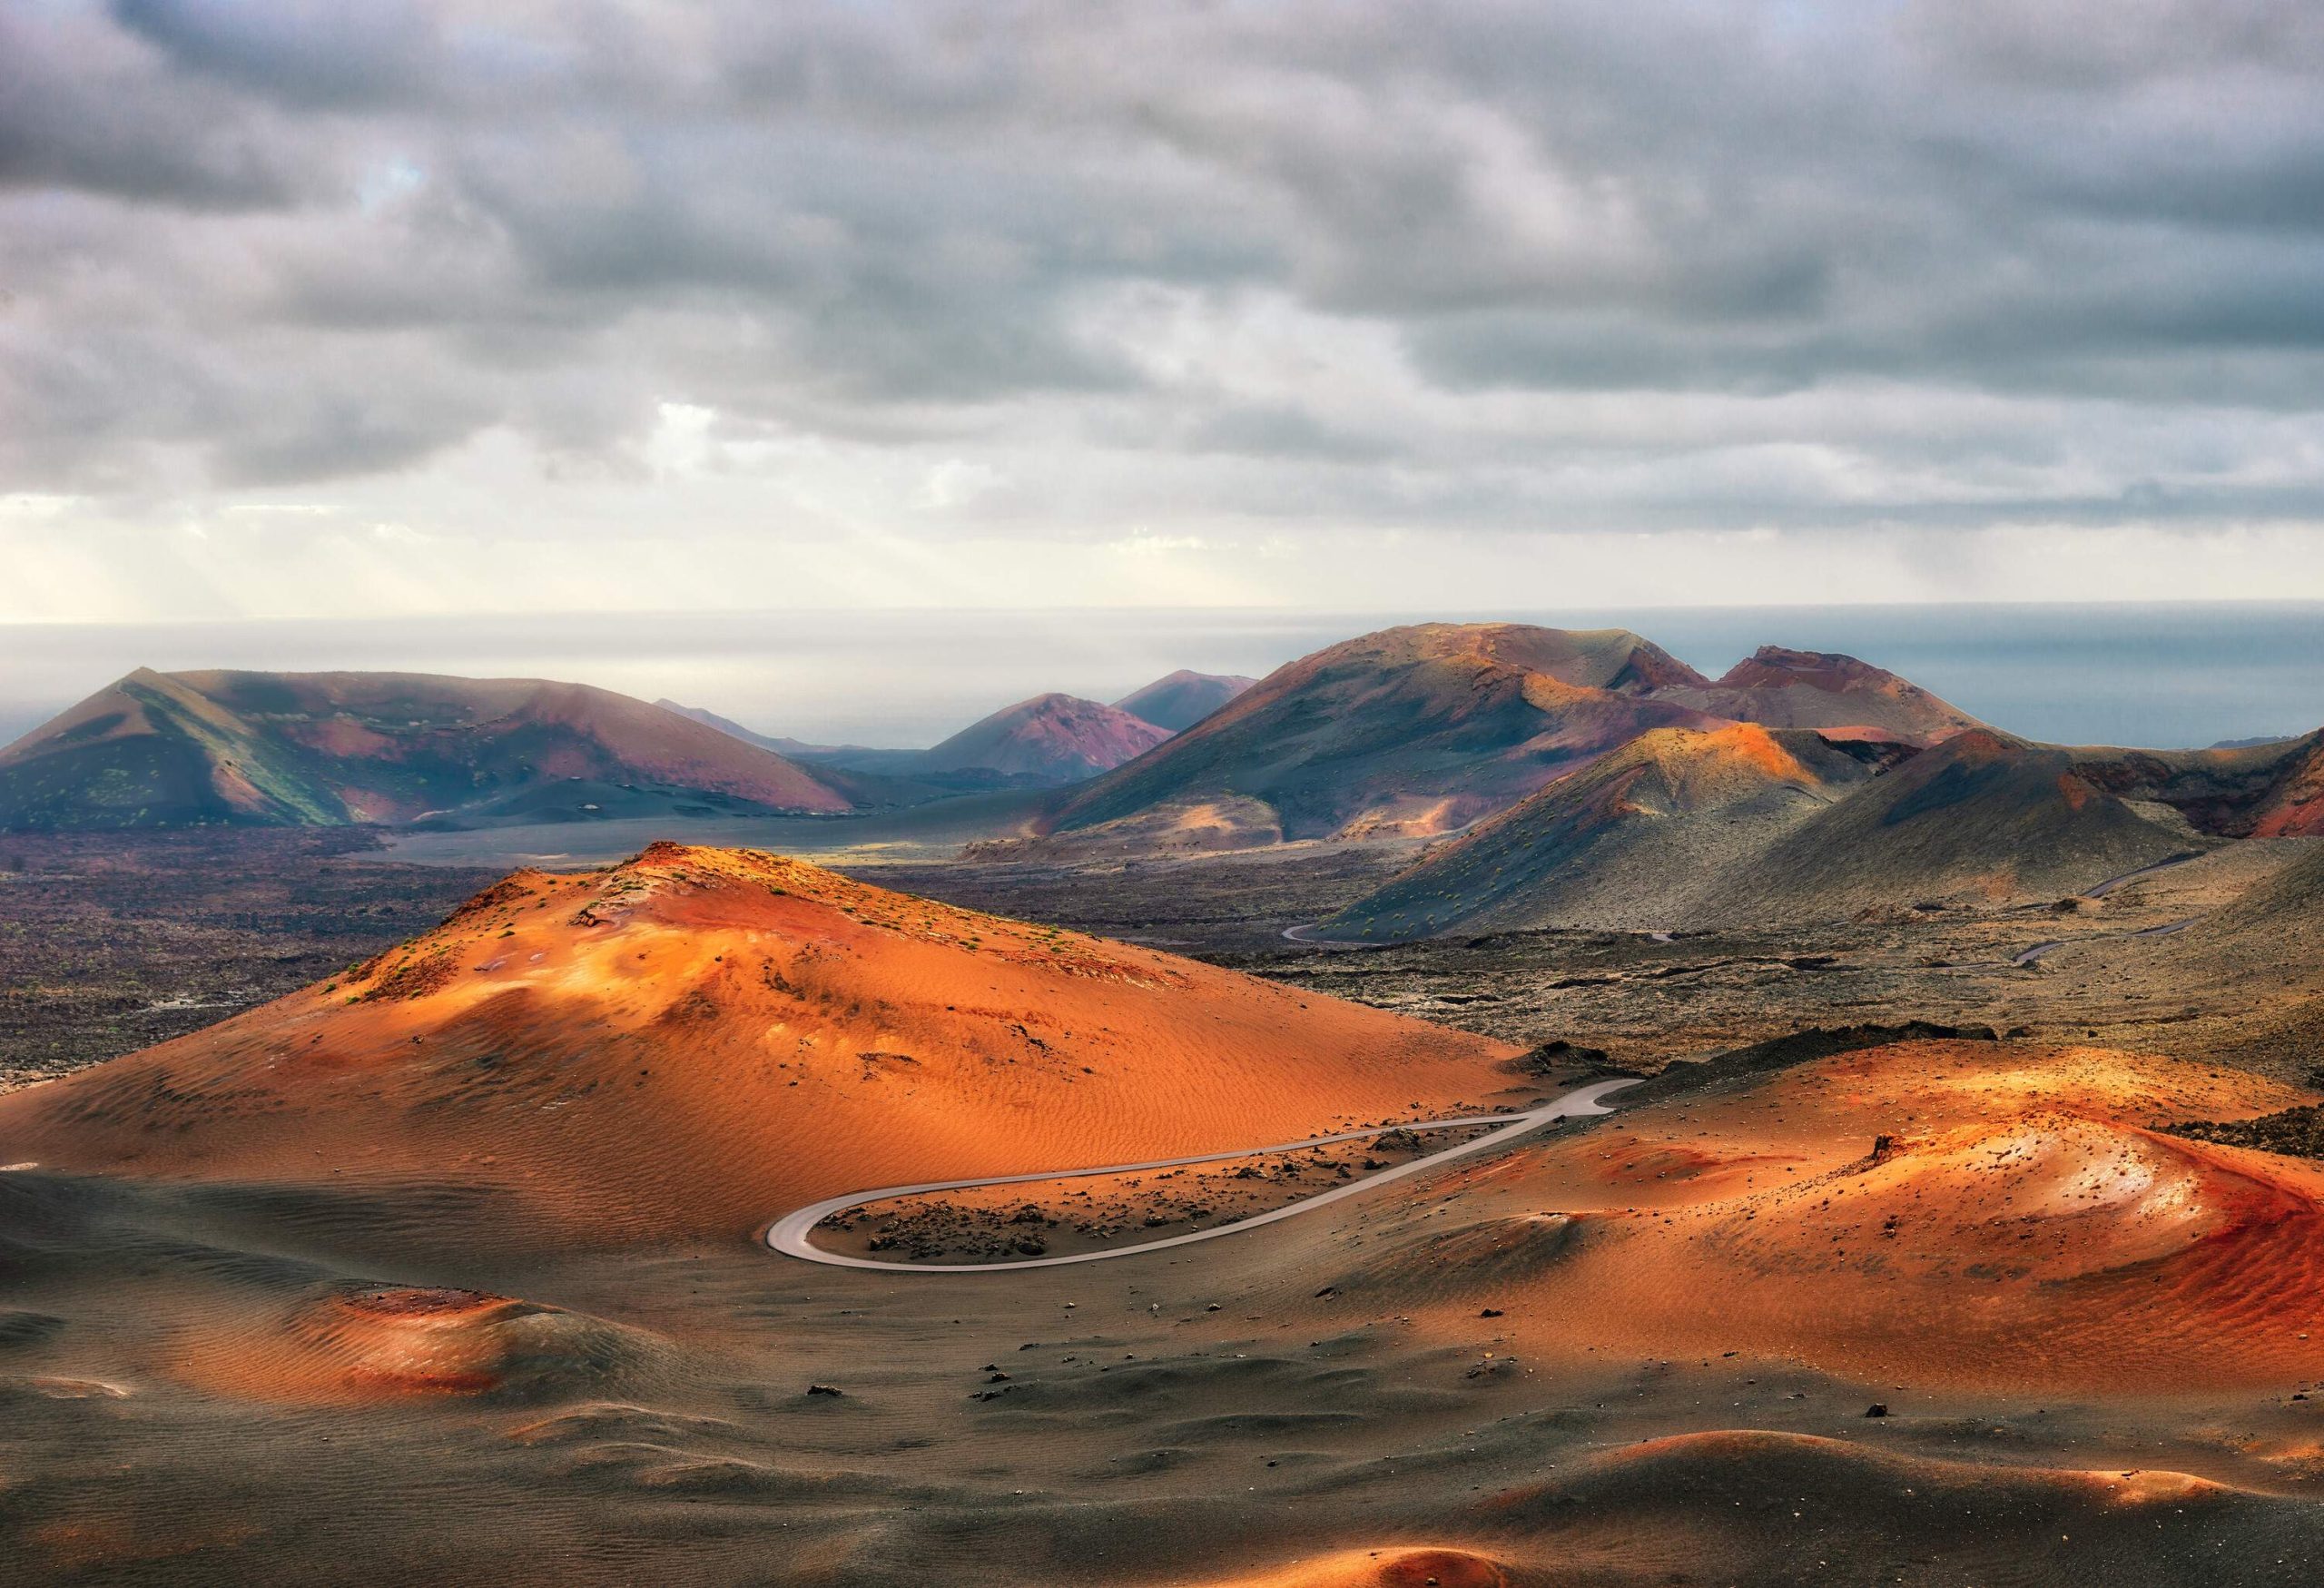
1382, 1568
697, 1040
1960, 1212
381, 1342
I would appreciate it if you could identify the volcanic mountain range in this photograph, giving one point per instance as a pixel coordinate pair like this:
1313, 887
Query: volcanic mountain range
300, 749
291, 749
1423, 730
1584, 778
1593, 779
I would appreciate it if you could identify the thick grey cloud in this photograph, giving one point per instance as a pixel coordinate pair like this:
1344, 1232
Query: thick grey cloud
1062, 270
305, 53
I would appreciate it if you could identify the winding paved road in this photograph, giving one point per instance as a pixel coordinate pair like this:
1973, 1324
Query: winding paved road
2040, 950
2111, 883
789, 1233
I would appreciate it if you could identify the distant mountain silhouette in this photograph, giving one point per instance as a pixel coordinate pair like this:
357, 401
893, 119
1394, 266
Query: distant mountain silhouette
1050, 739
1183, 698
299, 749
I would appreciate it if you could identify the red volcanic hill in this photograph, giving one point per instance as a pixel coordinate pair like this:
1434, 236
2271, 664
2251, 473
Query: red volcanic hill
1781, 689
1419, 729
1641, 838
697, 1040
1183, 698
1984, 1213
297, 749
1049, 739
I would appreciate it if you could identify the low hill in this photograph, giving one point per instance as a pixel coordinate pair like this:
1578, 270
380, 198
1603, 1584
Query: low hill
1635, 840
300, 749
697, 1040
1183, 698
1417, 729
871, 775
1913, 1213
797, 749
1780, 688
1979, 816
1049, 739
2274, 930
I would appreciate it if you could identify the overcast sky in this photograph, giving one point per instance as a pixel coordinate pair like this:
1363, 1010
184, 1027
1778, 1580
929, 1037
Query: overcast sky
324, 307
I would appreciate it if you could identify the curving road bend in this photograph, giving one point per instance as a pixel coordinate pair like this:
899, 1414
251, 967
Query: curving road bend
788, 1234
1298, 934
2111, 883
2027, 956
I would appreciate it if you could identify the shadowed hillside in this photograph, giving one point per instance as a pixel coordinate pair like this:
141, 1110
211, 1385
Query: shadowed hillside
1183, 698
1978, 817
1637, 839
1685, 829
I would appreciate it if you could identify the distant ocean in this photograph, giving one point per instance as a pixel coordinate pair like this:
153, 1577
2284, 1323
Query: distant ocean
2148, 675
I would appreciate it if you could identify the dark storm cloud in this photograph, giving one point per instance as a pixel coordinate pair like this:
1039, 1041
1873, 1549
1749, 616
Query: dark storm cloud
82, 109
281, 240
304, 52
